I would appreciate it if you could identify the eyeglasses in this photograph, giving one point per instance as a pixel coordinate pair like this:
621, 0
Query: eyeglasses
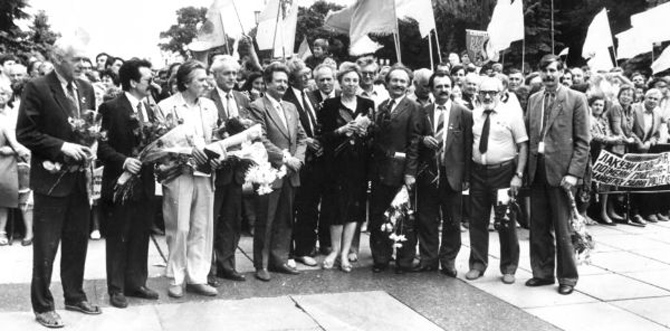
367, 73
489, 93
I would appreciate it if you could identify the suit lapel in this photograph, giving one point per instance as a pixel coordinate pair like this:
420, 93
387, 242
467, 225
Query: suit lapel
429, 110
400, 108
558, 106
58, 93
274, 116
290, 119
219, 105
454, 119
535, 114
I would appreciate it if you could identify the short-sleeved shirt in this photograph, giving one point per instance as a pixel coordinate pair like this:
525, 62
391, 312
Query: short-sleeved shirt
507, 129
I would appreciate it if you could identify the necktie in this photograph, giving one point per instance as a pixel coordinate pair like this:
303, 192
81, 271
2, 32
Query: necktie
230, 106
390, 106
74, 105
548, 106
308, 110
484, 138
140, 113
282, 116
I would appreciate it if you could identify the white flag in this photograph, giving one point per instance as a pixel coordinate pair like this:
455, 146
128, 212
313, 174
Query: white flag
276, 27
663, 61
633, 42
506, 26
303, 50
653, 23
363, 17
564, 52
598, 37
601, 61
421, 11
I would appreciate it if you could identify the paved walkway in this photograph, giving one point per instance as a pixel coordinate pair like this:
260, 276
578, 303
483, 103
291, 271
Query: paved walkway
627, 287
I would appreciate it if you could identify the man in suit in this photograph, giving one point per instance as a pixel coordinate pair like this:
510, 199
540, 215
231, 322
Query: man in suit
284, 139
129, 222
230, 177
308, 196
558, 123
369, 70
394, 163
324, 76
61, 212
444, 154
421, 87
499, 154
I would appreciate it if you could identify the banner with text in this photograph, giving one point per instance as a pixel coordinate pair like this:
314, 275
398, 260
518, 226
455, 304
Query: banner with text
641, 172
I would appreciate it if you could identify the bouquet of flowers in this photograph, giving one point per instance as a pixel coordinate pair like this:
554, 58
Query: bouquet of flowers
399, 211
87, 131
581, 239
261, 173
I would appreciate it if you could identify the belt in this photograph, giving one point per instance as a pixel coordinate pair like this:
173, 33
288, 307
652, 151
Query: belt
493, 166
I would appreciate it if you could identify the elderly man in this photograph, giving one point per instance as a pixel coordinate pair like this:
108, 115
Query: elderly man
369, 89
421, 93
515, 79
324, 76
61, 212
499, 153
558, 123
470, 87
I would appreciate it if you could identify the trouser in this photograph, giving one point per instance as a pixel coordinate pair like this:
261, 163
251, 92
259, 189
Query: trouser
381, 245
272, 233
59, 220
188, 204
227, 227
484, 185
308, 222
127, 244
549, 215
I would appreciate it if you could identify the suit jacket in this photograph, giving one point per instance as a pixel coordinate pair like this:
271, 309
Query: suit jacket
457, 147
229, 172
43, 127
121, 140
394, 133
638, 124
567, 141
277, 138
290, 96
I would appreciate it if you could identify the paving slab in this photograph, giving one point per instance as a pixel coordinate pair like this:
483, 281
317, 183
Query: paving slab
598, 316
622, 262
654, 309
633, 243
656, 278
617, 287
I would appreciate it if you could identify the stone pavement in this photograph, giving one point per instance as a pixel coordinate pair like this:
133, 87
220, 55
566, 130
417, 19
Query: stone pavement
627, 287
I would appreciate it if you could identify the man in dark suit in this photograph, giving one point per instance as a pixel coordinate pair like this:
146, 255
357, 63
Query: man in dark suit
61, 212
394, 163
129, 222
444, 154
558, 124
284, 139
229, 178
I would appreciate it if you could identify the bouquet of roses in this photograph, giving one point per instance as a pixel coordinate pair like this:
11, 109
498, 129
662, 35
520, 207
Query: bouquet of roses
399, 211
581, 240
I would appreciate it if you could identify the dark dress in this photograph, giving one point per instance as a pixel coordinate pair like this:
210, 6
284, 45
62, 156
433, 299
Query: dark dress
346, 161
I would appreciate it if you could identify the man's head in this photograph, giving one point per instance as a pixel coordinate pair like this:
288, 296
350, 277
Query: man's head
65, 55
465, 58
471, 83
45, 68
114, 63
515, 79
551, 70
82, 67
368, 70
398, 80
443, 68
100, 61
661, 84
440, 84
276, 79
225, 70
136, 77
192, 78
320, 48
17, 73
324, 76
299, 73
577, 76
497, 68
453, 59
421, 86
6, 61
638, 79
652, 98
458, 75
566, 80
489, 92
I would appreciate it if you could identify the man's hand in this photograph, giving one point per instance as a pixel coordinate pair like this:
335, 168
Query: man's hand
313, 144
431, 142
24, 154
294, 164
132, 165
515, 185
199, 156
409, 181
568, 182
75, 151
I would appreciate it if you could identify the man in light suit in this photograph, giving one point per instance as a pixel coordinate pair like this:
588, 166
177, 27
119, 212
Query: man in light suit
558, 124
61, 212
394, 163
230, 177
444, 153
284, 139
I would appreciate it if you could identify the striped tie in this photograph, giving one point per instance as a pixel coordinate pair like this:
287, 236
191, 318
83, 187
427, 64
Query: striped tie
439, 132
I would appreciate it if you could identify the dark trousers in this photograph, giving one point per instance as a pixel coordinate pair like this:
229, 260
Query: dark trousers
59, 220
550, 211
308, 222
272, 234
127, 244
438, 204
484, 185
227, 227
380, 244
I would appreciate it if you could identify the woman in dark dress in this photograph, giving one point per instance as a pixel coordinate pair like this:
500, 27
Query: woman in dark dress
345, 140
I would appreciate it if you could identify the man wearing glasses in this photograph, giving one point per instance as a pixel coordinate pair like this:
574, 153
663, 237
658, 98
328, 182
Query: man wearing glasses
369, 69
499, 153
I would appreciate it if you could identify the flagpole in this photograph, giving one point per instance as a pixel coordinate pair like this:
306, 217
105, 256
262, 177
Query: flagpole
274, 37
430, 50
225, 37
552, 28
396, 34
523, 54
238, 16
437, 42
616, 58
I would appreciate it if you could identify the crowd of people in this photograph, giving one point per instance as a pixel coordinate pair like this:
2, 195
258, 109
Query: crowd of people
350, 136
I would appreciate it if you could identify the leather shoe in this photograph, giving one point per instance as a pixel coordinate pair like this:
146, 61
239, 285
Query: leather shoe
262, 274
473, 274
565, 289
424, 268
118, 300
377, 268
662, 218
84, 307
534, 282
449, 271
285, 269
143, 292
652, 218
508, 279
201, 289
213, 282
637, 220
232, 275
176, 291
307, 260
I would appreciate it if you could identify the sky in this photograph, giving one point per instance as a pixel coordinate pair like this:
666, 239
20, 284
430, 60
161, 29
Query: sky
128, 28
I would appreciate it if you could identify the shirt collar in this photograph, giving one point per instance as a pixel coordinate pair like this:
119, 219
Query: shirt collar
327, 96
446, 105
275, 103
223, 93
64, 82
133, 100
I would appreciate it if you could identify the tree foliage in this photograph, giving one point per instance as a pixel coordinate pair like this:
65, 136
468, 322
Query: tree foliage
310, 22
10, 34
179, 35
25, 44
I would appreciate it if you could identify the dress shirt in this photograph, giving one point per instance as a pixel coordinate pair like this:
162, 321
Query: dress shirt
135, 104
377, 95
327, 96
200, 118
224, 100
64, 83
507, 129
396, 102
436, 117
279, 109
648, 122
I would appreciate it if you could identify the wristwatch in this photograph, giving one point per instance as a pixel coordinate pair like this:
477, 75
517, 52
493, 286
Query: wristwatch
519, 174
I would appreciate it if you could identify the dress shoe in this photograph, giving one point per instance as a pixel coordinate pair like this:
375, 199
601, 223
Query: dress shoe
449, 271
534, 282
84, 307
565, 289
212, 281
424, 268
201, 289
262, 274
285, 269
662, 218
291, 263
232, 275
473, 274
377, 268
307, 260
143, 292
652, 218
118, 300
638, 220
176, 291
508, 279
50, 319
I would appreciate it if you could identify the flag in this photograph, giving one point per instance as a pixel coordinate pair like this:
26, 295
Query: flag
564, 52
506, 26
601, 61
213, 32
632, 43
475, 43
276, 27
303, 50
365, 16
421, 11
663, 61
652, 22
598, 37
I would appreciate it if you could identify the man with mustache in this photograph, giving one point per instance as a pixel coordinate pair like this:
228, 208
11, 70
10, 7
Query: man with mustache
499, 153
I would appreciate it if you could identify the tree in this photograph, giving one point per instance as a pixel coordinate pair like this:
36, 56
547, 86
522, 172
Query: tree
40, 36
182, 33
310, 22
11, 36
